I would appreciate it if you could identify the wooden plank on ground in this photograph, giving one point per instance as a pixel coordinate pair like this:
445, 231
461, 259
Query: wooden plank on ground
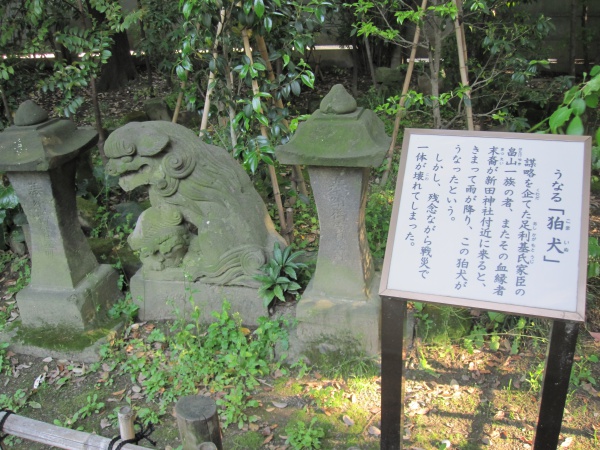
45, 433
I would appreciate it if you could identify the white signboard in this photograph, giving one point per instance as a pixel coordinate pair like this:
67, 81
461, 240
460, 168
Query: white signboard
497, 221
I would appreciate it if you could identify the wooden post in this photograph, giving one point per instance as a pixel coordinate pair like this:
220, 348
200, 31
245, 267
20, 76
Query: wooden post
462, 61
211, 76
57, 437
198, 422
559, 362
126, 429
264, 133
393, 319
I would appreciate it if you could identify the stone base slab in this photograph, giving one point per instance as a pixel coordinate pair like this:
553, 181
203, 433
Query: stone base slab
80, 308
169, 299
88, 354
322, 318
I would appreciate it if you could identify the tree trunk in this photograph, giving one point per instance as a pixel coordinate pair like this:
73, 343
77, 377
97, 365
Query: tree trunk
585, 36
575, 34
94, 95
146, 55
120, 68
370, 61
435, 55
7, 111
461, 45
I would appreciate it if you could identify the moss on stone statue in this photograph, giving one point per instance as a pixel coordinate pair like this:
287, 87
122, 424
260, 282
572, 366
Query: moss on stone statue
62, 338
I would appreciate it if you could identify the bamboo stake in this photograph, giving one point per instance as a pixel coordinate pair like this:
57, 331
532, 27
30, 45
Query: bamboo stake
94, 92
126, 430
264, 52
263, 131
58, 437
178, 104
462, 60
211, 76
230, 109
400, 113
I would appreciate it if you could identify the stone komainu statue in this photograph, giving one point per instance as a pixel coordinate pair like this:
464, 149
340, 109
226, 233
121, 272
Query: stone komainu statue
206, 218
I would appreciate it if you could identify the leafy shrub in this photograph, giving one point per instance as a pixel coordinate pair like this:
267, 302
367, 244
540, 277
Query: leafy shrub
303, 437
280, 275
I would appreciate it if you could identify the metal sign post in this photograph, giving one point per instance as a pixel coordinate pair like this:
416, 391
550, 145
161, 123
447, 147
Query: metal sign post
557, 374
494, 221
393, 319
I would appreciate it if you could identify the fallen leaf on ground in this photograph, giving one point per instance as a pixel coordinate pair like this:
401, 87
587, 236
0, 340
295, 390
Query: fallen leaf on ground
348, 421
374, 431
587, 387
567, 442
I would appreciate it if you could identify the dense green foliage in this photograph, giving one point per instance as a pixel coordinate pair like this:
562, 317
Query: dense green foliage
223, 355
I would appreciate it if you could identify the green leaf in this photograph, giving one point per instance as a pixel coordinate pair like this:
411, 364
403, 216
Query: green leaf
277, 254
266, 159
578, 106
256, 104
268, 23
593, 269
595, 71
575, 128
559, 118
181, 73
496, 316
259, 8
8, 198
570, 94
279, 293
263, 120
308, 80
591, 100
295, 87
186, 10
248, 110
592, 86
290, 272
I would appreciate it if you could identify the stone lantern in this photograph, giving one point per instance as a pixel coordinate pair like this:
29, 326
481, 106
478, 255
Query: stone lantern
68, 287
340, 143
